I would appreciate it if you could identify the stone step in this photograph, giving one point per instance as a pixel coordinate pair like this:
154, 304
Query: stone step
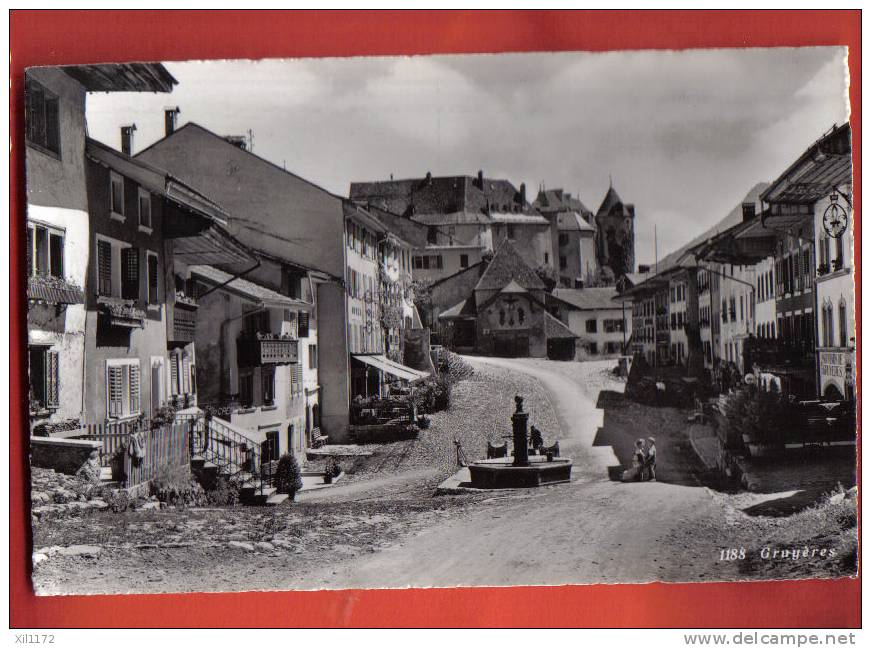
275, 500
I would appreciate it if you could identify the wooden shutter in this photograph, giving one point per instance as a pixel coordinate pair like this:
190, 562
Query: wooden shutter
133, 374
52, 124
152, 279
186, 373
173, 374
56, 255
30, 251
116, 390
130, 273
104, 267
302, 324
52, 379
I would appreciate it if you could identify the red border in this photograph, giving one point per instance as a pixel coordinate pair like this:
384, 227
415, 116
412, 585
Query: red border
57, 37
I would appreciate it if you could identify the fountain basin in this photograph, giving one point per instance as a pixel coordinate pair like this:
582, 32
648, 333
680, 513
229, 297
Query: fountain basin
502, 473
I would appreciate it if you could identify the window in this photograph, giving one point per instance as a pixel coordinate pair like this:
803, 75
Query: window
312, 356
42, 117
839, 253
44, 378
562, 263
593, 348
246, 389
130, 273
464, 260
432, 234
153, 279
438, 262
302, 324
295, 379
842, 321
116, 195
521, 316
546, 258
267, 380
122, 388
144, 210
591, 326
563, 239
45, 250
502, 317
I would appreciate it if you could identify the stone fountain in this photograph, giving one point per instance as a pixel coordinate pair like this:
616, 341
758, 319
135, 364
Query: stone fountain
521, 471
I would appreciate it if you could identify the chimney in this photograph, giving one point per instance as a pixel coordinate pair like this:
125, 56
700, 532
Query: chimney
428, 178
748, 211
127, 139
522, 193
480, 179
170, 117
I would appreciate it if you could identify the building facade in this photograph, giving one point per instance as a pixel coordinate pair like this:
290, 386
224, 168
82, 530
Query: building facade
58, 229
602, 324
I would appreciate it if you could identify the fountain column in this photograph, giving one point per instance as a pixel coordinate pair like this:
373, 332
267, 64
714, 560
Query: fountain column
519, 422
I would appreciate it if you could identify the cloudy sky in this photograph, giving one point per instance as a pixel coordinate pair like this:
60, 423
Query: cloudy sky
684, 135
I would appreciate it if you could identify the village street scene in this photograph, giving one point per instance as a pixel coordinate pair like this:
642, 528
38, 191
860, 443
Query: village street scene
241, 379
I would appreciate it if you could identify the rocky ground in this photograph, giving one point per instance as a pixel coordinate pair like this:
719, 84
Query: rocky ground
381, 526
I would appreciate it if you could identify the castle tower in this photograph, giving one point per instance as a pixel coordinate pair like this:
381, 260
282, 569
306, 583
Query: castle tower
615, 221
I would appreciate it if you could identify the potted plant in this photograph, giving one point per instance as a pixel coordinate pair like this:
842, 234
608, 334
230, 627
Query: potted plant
331, 470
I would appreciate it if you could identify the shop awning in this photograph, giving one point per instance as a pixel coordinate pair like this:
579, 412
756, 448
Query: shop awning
389, 366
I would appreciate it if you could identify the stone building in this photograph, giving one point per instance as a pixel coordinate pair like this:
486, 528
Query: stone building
615, 225
576, 250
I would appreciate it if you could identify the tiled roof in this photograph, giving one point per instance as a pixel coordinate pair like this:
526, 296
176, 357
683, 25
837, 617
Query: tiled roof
587, 298
519, 219
440, 195
610, 201
508, 265
453, 218
53, 290
572, 221
465, 309
556, 200
554, 329
245, 288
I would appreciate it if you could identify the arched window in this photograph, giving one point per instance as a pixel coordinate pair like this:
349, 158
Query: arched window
842, 321
502, 317
520, 316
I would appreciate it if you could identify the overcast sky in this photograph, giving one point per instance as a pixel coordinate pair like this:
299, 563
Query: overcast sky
683, 134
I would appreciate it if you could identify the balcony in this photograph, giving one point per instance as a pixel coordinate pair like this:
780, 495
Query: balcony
267, 349
121, 312
767, 353
184, 324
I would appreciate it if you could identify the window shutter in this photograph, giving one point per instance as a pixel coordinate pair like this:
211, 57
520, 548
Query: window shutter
56, 255
115, 391
52, 125
186, 373
130, 273
52, 383
30, 251
134, 389
152, 279
302, 324
104, 266
173, 374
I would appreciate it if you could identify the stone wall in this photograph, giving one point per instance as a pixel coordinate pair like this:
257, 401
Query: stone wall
63, 455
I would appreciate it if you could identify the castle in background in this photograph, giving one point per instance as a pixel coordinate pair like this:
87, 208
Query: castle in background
462, 220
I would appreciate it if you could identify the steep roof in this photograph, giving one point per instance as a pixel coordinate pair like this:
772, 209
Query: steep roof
734, 217
572, 221
556, 200
406, 229
466, 309
122, 77
587, 298
441, 195
554, 329
610, 201
508, 265
245, 288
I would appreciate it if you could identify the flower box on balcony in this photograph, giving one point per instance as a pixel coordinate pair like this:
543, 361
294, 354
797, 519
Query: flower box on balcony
265, 349
122, 312
185, 301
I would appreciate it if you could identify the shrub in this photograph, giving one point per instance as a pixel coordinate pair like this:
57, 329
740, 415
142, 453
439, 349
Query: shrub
763, 416
174, 485
332, 468
162, 416
118, 500
288, 475
225, 493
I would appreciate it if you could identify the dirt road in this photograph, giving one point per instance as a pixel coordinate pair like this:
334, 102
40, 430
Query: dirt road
592, 530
